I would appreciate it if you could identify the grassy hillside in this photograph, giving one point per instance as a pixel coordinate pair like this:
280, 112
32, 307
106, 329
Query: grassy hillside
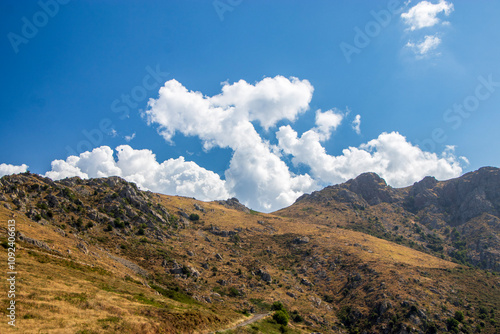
99, 256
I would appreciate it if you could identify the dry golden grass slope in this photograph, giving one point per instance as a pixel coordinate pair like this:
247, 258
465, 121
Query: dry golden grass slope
105, 258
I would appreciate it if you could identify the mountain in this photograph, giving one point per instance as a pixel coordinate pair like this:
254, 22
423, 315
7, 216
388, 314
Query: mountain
458, 219
102, 256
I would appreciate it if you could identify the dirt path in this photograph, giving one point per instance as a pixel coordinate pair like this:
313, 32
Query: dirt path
253, 319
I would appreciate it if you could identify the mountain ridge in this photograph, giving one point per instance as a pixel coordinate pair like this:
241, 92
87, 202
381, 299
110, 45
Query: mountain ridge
469, 204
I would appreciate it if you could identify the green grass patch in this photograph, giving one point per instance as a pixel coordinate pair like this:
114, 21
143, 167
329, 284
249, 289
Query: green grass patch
261, 305
175, 295
110, 319
150, 301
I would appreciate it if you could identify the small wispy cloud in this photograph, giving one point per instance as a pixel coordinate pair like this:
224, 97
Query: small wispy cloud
129, 138
113, 133
423, 48
327, 122
356, 124
425, 14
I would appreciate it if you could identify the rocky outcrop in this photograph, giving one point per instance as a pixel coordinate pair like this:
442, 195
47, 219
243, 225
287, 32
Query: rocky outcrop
34, 242
233, 203
454, 218
129, 264
458, 200
264, 275
81, 246
372, 188
301, 240
222, 233
367, 189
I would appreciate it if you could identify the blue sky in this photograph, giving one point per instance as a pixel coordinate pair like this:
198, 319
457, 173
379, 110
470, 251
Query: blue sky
77, 76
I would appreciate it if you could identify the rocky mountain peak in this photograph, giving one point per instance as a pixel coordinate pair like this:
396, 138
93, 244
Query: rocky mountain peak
369, 180
372, 188
427, 182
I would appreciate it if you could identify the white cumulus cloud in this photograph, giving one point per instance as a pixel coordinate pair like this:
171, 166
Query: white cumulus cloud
256, 174
7, 169
425, 14
268, 101
390, 155
173, 176
328, 121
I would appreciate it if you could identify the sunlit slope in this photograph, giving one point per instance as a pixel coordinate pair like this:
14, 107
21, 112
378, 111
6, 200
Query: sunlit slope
106, 257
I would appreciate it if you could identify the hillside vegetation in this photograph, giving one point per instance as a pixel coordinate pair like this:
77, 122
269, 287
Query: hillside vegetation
101, 256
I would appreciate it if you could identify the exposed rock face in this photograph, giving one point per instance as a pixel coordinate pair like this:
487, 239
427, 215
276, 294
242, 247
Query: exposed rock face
266, 277
372, 188
52, 201
193, 271
366, 189
306, 282
81, 246
468, 205
301, 240
199, 208
460, 199
233, 203
222, 233
34, 242
129, 264
176, 269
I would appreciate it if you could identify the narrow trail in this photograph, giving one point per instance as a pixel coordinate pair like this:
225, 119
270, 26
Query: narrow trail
253, 319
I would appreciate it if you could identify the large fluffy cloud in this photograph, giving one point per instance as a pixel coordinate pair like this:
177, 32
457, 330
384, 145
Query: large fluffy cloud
390, 155
256, 174
192, 114
6, 169
173, 176
425, 14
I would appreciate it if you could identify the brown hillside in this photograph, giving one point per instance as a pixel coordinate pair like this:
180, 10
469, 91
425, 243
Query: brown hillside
100, 255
